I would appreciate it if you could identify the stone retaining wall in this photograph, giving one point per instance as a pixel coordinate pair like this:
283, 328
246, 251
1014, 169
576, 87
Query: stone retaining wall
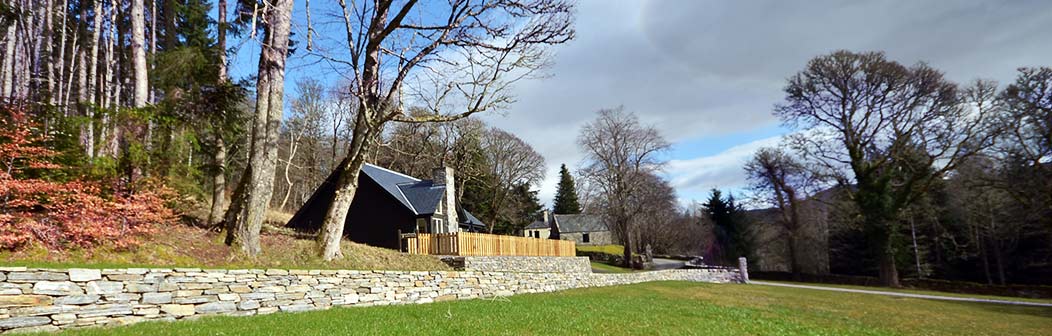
521, 264
51, 299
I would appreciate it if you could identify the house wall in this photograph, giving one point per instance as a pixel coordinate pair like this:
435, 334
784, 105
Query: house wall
540, 233
376, 217
53, 299
594, 238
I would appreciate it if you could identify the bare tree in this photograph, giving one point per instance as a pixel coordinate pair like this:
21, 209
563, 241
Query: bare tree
785, 182
464, 54
245, 216
512, 162
619, 155
884, 130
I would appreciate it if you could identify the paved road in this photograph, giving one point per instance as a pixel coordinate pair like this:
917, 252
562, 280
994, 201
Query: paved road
909, 295
664, 264
659, 264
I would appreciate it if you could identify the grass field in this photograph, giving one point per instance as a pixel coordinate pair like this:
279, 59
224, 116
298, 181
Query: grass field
662, 308
600, 267
608, 249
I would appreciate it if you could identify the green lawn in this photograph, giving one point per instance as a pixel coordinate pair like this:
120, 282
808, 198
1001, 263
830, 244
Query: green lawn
662, 308
608, 249
600, 267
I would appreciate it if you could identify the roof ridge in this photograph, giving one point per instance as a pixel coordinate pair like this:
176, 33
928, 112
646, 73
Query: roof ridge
392, 172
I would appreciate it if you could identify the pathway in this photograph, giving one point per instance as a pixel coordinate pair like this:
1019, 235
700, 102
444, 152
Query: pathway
909, 295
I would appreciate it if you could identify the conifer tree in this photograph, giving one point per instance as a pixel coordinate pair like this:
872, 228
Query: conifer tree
566, 196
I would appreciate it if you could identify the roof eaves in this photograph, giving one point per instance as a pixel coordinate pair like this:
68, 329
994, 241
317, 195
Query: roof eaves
393, 172
411, 207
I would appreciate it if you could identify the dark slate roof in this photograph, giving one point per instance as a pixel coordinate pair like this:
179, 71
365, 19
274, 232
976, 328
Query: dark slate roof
538, 225
389, 180
580, 223
423, 195
470, 222
420, 196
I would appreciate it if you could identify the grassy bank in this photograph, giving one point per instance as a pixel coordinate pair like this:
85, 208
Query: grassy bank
664, 308
600, 267
184, 246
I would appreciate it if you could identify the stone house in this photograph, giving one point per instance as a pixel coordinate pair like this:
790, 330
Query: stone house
388, 203
584, 229
541, 228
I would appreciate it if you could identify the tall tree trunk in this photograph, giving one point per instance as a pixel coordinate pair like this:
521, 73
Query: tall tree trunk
331, 232
93, 79
61, 72
138, 54
219, 159
369, 111
49, 42
981, 242
270, 88
628, 245
916, 250
889, 273
794, 260
221, 40
8, 70
218, 182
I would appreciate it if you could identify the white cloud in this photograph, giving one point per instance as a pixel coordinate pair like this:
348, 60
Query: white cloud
695, 177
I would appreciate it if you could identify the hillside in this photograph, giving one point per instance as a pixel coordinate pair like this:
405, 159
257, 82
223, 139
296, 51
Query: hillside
185, 246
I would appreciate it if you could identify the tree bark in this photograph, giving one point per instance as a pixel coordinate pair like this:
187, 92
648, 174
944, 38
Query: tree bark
218, 182
219, 159
48, 12
138, 53
628, 246
61, 62
265, 128
8, 70
221, 40
332, 231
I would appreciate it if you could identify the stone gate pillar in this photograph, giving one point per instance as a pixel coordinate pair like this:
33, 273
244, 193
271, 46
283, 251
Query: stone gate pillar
743, 267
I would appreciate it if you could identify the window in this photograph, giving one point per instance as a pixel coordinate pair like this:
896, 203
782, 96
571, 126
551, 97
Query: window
536, 234
421, 225
436, 225
584, 238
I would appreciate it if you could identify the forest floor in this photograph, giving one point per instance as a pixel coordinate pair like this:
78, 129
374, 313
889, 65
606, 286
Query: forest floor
656, 308
186, 246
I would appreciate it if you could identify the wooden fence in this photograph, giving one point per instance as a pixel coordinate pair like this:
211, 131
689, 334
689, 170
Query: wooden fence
481, 244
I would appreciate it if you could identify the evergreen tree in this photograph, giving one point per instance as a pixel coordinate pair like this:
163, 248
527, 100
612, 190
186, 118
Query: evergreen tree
729, 227
566, 197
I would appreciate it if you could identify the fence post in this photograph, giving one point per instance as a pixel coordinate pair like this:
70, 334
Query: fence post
743, 267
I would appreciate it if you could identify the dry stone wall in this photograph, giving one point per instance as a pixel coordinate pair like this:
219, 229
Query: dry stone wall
53, 299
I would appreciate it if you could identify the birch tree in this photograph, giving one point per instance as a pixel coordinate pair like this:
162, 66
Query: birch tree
138, 54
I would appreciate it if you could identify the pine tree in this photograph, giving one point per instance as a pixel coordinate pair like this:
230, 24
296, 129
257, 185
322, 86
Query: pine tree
729, 227
566, 197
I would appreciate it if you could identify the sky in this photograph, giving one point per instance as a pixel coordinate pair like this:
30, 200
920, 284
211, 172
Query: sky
707, 73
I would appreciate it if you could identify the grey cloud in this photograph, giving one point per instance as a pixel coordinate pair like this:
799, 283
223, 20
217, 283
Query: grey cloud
706, 68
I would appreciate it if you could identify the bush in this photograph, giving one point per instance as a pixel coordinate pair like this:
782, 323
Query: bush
72, 213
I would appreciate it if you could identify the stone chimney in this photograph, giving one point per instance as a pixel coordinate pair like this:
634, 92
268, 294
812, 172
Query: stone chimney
444, 176
546, 217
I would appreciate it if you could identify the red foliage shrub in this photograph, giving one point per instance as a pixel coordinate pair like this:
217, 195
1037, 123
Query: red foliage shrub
66, 214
